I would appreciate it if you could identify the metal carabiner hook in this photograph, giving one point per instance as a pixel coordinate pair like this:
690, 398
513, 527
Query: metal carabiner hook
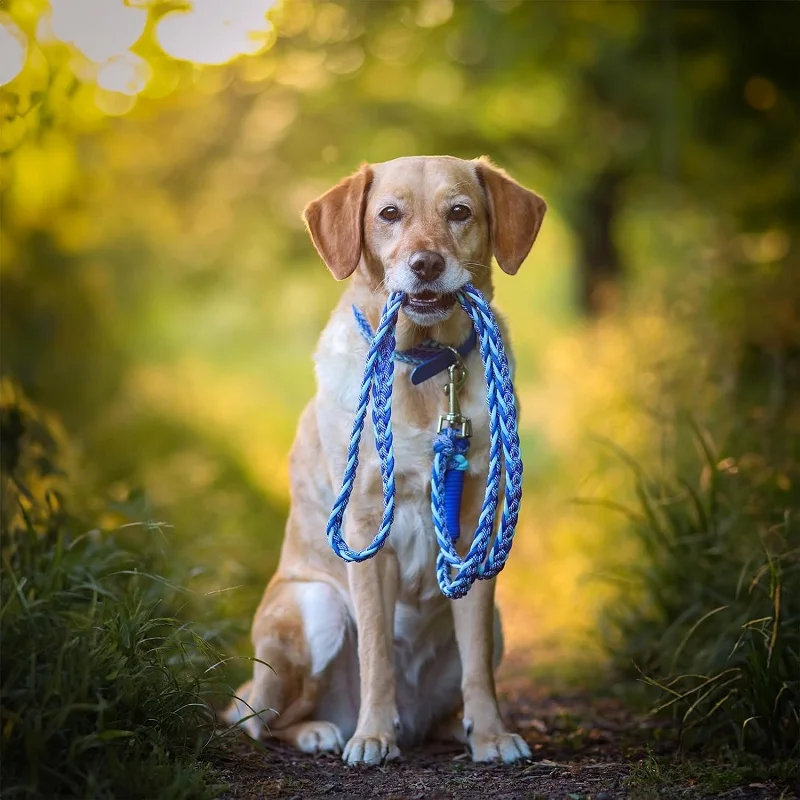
454, 418
458, 364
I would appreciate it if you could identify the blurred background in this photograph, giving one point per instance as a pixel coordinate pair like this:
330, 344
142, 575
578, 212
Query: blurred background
161, 300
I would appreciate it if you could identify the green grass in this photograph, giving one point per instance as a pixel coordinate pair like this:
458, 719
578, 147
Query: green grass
709, 616
654, 777
105, 690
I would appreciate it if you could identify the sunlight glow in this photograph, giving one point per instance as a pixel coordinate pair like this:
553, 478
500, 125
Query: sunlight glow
13, 49
213, 32
100, 29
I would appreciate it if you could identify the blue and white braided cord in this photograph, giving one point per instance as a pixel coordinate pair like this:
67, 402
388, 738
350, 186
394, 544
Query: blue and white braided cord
378, 380
503, 448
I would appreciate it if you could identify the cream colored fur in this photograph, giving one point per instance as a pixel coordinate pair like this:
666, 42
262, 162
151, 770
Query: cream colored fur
367, 657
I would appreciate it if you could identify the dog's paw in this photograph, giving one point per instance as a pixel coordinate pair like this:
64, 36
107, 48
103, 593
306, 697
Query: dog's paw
319, 737
371, 750
505, 747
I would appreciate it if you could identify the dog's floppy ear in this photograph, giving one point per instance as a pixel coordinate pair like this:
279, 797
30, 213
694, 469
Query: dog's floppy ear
515, 215
336, 223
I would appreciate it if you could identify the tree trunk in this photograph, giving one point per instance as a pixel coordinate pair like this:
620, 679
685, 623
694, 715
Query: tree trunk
600, 266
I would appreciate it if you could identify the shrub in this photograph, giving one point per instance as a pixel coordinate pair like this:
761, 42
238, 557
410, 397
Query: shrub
710, 614
103, 688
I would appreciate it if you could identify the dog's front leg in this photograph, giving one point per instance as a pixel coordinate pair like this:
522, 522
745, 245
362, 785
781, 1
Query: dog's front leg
474, 622
373, 589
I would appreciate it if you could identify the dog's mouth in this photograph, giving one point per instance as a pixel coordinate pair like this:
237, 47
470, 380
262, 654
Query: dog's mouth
429, 302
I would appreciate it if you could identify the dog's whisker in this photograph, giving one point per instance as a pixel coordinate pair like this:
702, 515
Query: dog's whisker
381, 285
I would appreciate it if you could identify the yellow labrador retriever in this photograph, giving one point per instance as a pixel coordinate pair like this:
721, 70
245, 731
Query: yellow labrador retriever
365, 657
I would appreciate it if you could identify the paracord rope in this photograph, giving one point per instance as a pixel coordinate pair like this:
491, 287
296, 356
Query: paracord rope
503, 450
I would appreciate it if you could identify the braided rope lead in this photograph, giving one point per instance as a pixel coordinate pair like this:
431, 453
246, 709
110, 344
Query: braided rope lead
504, 450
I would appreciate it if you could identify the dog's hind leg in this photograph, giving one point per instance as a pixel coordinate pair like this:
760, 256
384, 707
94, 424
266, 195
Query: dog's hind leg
298, 631
314, 736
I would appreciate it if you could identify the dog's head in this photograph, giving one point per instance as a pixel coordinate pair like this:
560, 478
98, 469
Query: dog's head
425, 226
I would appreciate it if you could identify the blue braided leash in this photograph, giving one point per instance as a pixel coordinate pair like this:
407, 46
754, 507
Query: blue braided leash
485, 558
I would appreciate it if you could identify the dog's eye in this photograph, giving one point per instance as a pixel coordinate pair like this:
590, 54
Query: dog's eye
389, 214
459, 213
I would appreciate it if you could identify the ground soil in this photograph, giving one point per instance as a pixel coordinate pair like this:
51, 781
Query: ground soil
584, 748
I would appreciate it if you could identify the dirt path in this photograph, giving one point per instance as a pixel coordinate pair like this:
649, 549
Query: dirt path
584, 748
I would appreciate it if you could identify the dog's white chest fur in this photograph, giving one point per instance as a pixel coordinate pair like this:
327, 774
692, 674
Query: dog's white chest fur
413, 535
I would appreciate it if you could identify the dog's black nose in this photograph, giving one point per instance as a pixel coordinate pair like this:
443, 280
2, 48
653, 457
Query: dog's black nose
426, 265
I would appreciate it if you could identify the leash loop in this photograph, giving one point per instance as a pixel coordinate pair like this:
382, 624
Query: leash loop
488, 553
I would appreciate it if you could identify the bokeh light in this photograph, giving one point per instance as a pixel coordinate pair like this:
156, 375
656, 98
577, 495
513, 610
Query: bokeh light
760, 93
127, 74
13, 48
212, 32
100, 29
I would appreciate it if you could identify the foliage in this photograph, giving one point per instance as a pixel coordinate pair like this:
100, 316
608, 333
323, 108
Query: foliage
709, 616
105, 690
160, 296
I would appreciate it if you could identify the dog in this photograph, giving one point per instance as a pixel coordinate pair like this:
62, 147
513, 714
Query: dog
363, 658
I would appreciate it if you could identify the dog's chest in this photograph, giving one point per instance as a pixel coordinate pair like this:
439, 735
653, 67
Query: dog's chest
415, 416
